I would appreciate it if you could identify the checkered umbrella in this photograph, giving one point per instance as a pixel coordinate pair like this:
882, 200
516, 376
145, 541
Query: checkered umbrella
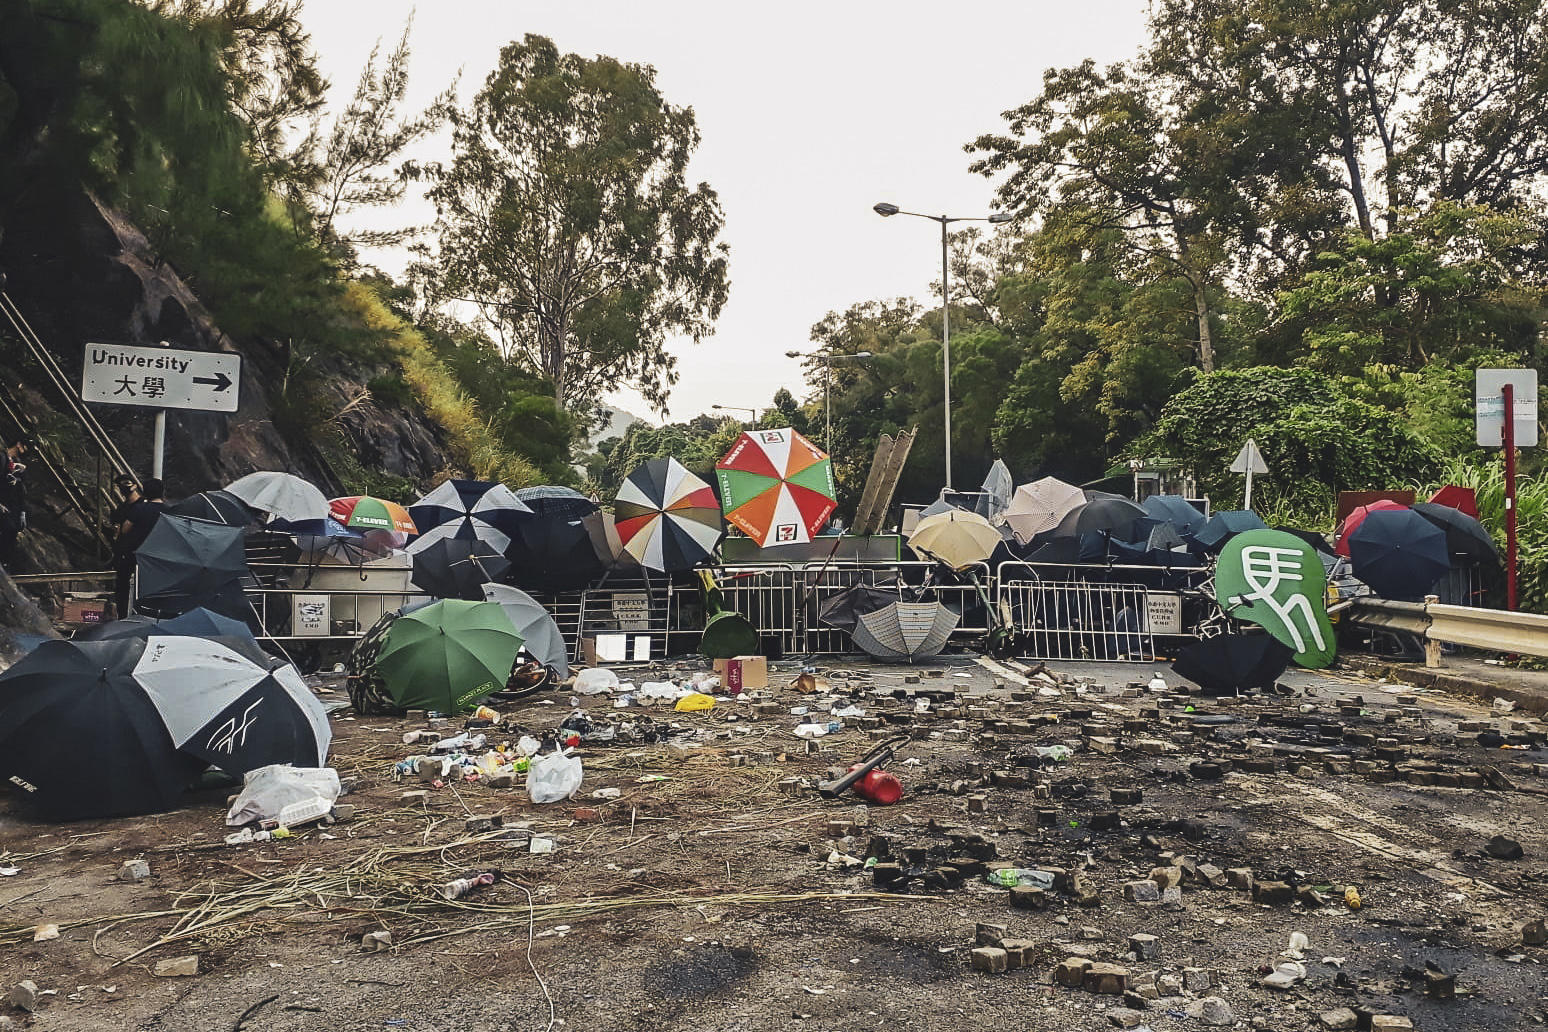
776, 487
667, 518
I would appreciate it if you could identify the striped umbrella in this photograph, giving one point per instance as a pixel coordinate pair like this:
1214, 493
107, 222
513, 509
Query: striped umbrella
776, 487
469, 510
667, 518
905, 630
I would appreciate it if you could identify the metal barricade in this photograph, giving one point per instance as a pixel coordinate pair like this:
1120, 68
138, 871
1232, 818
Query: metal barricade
1096, 612
768, 595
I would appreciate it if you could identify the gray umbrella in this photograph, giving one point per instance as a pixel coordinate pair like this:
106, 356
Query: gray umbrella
543, 640
186, 563
905, 631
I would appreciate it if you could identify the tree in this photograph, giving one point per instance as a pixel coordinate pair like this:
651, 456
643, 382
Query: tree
565, 213
349, 166
1315, 438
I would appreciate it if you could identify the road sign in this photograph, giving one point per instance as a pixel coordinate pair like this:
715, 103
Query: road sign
1249, 460
1489, 406
118, 374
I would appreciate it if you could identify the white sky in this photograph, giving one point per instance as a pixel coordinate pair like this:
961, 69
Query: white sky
810, 113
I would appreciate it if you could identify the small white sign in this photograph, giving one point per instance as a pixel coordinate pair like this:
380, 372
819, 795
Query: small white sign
119, 374
1163, 610
1489, 406
632, 611
309, 617
1249, 460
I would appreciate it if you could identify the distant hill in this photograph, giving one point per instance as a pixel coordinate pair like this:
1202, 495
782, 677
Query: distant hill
617, 422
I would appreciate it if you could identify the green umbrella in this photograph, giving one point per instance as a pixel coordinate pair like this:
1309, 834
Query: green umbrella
448, 655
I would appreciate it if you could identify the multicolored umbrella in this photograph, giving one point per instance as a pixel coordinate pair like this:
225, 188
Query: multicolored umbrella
379, 521
468, 510
776, 487
667, 518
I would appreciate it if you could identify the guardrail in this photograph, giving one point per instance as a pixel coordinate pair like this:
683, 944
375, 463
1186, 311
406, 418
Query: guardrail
1496, 630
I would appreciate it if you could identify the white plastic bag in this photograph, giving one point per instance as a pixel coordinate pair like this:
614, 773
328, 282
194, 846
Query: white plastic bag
596, 681
268, 790
554, 777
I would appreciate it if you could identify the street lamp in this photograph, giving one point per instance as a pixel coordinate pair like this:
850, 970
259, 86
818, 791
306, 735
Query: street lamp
752, 413
887, 210
827, 361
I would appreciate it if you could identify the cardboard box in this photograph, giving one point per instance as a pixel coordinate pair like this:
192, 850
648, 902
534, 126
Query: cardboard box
83, 609
743, 672
615, 648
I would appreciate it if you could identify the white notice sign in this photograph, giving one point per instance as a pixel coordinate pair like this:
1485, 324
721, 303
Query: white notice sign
1489, 401
1163, 612
119, 374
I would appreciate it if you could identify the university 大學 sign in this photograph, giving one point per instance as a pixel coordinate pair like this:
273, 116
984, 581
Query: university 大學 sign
122, 374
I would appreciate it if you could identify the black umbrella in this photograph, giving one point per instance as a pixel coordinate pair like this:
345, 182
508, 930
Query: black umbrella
1399, 553
1176, 510
1318, 541
844, 609
457, 568
214, 507
478, 509
1223, 526
551, 548
1465, 536
1104, 513
80, 738
1227, 663
186, 563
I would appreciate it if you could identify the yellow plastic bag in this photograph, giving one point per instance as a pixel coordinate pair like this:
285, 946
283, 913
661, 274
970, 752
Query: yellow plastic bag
698, 702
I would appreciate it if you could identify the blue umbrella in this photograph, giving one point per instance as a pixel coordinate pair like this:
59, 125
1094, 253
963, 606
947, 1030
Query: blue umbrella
1399, 553
1225, 525
1176, 510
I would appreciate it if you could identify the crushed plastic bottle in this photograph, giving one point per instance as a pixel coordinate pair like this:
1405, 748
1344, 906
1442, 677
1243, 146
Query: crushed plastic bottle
1352, 898
1157, 683
459, 887
1056, 753
1008, 877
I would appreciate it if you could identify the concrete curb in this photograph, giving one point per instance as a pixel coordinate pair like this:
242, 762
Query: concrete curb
1527, 699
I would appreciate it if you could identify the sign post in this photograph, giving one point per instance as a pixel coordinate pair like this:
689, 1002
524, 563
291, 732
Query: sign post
161, 378
1249, 461
1505, 416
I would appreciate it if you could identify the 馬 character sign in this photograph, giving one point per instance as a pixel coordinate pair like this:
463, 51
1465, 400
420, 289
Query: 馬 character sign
1276, 581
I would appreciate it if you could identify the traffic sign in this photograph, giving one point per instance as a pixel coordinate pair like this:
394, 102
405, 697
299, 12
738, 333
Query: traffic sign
120, 374
1249, 459
1489, 402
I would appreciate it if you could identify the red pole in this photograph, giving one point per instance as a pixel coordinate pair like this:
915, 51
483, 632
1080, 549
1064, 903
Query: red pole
1509, 433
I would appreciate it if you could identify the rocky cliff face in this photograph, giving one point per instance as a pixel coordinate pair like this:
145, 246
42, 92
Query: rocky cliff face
88, 275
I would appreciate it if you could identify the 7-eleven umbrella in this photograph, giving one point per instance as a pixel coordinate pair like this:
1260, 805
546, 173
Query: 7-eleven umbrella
776, 486
667, 518
376, 518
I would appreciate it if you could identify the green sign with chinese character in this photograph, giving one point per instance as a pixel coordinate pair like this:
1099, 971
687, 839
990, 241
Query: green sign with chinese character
1275, 580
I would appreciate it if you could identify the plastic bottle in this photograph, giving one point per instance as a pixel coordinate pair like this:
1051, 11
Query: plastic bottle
1008, 877
459, 887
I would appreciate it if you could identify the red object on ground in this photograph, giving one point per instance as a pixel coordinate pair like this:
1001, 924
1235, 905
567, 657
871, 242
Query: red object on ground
1357, 517
1461, 499
879, 787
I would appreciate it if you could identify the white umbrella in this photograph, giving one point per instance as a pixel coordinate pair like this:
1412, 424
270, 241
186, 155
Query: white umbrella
284, 496
1040, 505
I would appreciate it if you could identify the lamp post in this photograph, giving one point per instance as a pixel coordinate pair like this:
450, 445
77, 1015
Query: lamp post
752, 413
887, 210
827, 361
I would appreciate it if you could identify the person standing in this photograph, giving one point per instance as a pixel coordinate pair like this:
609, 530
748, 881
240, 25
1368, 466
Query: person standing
138, 519
13, 499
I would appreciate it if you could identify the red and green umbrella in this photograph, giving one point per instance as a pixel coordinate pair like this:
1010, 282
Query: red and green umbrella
776, 487
375, 519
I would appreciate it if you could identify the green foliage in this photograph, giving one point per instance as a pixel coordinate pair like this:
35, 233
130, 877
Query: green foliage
698, 444
1487, 479
390, 390
566, 214
1316, 440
